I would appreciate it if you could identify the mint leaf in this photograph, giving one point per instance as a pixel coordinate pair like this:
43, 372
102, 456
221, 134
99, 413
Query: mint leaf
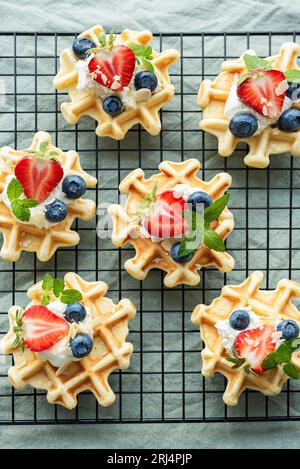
143, 54
293, 76
71, 296
148, 65
111, 38
58, 287
284, 352
102, 38
46, 299
21, 212
291, 371
29, 203
48, 281
295, 344
212, 240
194, 238
253, 62
43, 148
14, 190
213, 212
271, 361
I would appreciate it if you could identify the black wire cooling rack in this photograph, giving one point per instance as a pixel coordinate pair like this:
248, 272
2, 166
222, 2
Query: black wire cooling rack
164, 383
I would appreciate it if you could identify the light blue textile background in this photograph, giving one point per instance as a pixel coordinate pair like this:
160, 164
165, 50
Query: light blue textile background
157, 15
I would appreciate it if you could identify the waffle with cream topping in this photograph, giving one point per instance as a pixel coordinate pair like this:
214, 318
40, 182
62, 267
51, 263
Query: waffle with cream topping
110, 351
18, 236
87, 102
269, 306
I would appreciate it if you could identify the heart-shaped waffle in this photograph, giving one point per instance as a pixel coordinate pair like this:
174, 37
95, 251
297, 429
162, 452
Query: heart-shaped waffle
212, 98
150, 255
88, 103
18, 236
110, 351
269, 306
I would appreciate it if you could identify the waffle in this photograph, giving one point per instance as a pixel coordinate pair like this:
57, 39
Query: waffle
110, 352
17, 236
87, 103
269, 306
212, 97
150, 255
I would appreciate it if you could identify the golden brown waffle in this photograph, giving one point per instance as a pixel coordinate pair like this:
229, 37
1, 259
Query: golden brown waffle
212, 97
87, 103
110, 352
269, 306
150, 255
17, 236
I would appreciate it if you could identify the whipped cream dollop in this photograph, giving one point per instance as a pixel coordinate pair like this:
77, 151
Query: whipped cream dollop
61, 354
234, 105
129, 96
37, 214
228, 334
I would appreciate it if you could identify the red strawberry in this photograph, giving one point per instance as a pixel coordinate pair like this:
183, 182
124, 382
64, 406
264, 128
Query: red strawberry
262, 92
254, 345
38, 177
119, 62
165, 220
42, 329
168, 196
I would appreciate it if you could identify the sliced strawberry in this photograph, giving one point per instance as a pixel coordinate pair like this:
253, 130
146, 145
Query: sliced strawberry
254, 345
113, 69
166, 220
168, 196
42, 329
38, 177
264, 91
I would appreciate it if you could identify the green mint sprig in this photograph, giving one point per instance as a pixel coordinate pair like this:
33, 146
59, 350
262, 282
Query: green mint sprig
283, 356
147, 202
292, 76
254, 63
57, 287
103, 39
18, 330
43, 152
19, 207
143, 55
199, 225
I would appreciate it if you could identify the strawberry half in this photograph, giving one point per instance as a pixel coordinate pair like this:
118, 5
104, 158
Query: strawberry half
254, 345
113, 69
38, 177
264, 91
166, 220
42, 329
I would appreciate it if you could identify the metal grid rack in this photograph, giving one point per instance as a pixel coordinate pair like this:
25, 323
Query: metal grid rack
164, 383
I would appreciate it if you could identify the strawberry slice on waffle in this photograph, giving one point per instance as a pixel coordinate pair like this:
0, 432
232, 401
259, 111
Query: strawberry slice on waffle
113, 69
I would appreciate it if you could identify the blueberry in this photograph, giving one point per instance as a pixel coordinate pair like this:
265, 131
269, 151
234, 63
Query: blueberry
243, 125
75, 312
74, 186
81, 345
289, 329
145, 80
293, 92
57, 211
199, 197
239, 320
180, 259
81, 46
112, 105
289, 121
